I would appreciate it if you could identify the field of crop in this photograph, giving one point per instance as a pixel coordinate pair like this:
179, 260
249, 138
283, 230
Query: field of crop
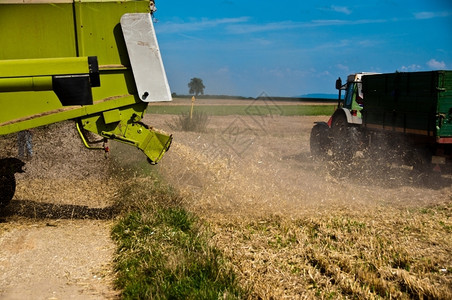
239, 210
292, 227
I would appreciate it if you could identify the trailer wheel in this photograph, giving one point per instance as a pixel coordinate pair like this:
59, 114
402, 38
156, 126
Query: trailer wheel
345, 139
319, 141
7, 188
419, 159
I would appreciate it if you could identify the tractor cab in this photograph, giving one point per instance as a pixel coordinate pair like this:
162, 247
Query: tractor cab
353, 99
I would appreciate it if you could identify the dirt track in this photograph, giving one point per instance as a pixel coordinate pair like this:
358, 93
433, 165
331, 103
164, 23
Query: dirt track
55, 235
54, 239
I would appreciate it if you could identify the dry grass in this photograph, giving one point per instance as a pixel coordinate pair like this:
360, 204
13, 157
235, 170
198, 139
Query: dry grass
336, 250
389, 254
291, 228
198, 121
296, 229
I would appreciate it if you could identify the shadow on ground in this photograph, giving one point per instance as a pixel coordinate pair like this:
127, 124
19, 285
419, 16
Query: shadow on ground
38, 210
370, 173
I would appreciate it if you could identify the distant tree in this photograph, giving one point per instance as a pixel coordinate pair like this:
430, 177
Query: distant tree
196, 86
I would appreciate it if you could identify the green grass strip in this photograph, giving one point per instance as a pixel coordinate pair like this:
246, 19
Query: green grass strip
259, 110
163, 250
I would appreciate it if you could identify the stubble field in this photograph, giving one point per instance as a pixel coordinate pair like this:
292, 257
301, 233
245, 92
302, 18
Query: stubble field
294, 227
288, 225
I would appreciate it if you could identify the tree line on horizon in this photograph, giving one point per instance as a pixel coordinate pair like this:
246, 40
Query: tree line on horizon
196, 88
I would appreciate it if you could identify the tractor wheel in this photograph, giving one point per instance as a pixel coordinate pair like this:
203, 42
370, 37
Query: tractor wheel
319, 140
345, 139
7, 188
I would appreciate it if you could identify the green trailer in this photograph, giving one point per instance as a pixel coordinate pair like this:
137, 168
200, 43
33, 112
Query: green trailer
405, 112
417, 103
96, 62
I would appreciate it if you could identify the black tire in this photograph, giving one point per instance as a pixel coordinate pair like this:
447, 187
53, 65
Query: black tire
7, 189
345, 139
319, 141
419, 159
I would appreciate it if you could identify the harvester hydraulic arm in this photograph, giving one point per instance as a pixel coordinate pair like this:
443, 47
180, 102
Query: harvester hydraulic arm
124, 125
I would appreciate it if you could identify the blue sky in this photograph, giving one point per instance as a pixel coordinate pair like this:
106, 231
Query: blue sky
290, 48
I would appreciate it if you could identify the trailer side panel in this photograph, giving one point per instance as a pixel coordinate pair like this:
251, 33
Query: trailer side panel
418, 103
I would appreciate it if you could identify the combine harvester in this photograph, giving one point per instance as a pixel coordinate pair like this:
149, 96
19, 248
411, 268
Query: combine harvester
404, 118
96, 62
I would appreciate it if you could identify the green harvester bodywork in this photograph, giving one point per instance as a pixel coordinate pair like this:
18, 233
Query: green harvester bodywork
96, 62
78, 48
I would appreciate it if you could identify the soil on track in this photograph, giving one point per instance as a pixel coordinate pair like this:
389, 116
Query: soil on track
55, 235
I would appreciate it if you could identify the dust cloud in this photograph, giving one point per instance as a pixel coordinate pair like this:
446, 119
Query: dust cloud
245, 166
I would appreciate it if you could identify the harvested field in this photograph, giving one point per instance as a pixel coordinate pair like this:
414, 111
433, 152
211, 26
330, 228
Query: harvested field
220, 101
290, 227
296, 228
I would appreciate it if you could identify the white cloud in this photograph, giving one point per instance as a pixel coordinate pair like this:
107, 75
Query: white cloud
434, 64
252, 28
241, 25
262, 42
323, 74
368, 43
343, 67
430, 15
341, 9
424, 15
245, 28
410, 68
183, 27
223, 70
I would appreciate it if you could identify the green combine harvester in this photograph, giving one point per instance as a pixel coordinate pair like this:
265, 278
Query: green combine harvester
96, 62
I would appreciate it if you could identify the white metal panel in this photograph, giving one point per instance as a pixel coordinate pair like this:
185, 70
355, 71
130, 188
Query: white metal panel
145, 58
